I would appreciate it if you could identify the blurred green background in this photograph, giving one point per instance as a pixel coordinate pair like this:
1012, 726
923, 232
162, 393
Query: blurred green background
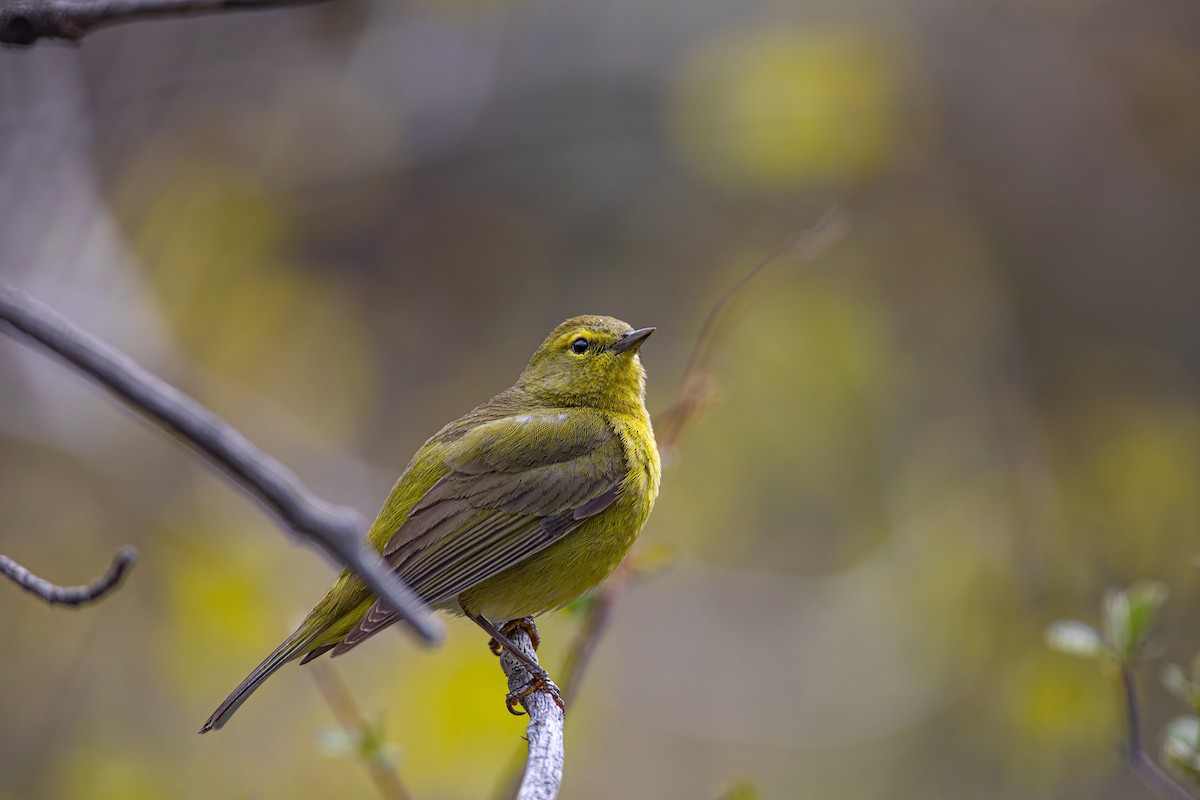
344, 225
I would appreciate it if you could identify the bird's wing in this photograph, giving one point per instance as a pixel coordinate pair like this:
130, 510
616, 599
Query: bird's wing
516, 486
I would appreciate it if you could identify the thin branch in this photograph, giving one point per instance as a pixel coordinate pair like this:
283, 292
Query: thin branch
24, 22
332, 529
695, 385
350, 717
1133, 718
579, 656
1152, 776
544, 764
57, 595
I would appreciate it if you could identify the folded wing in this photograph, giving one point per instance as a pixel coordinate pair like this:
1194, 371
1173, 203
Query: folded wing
516, 486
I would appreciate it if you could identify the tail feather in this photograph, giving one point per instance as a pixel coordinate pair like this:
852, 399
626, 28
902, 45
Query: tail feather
317, 653
293, 647
378, 617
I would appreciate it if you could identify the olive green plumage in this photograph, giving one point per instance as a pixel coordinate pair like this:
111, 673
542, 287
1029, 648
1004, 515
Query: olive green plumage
513, 510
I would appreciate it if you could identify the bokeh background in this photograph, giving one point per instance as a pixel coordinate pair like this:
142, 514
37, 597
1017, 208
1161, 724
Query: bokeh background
341, 226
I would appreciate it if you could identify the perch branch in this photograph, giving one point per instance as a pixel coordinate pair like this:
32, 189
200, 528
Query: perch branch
544, 765
579, 656
1152, 776
57, 595
332, 529
24, 22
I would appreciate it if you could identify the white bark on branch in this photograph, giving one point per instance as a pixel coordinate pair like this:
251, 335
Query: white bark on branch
335, 530
24, 22
70, 595
544, 767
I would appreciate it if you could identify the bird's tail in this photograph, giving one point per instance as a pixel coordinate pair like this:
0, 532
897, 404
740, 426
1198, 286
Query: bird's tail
292, 648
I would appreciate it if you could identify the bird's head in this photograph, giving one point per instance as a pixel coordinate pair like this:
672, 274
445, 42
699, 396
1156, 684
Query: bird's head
589, 361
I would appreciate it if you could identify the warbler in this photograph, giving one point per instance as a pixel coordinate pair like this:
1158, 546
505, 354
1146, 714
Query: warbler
511, 511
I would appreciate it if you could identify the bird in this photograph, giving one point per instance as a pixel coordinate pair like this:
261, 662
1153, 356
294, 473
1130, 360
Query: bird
511, 511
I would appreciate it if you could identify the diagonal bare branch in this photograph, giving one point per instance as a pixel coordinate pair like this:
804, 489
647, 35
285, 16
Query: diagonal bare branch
24, 22
57, 595
332, 529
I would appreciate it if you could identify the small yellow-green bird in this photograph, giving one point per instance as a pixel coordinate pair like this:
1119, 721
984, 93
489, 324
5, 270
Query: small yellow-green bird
513, 510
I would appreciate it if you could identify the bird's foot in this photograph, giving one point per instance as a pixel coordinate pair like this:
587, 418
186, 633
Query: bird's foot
538, 682
501, 640
512, 626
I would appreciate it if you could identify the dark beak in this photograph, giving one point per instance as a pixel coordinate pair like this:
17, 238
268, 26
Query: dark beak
632, 340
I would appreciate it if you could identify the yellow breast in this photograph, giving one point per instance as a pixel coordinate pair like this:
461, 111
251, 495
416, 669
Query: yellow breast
554, 577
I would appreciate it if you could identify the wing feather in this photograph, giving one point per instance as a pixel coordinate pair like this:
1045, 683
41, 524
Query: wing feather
516, 486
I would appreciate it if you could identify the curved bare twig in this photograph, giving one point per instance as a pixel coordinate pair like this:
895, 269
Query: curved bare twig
695, 385
334, 530
57, 595
24, 22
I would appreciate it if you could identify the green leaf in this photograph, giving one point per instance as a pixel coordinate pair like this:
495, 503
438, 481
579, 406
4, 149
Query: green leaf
1116, 622
1146, 599
1130, 615
1074, 638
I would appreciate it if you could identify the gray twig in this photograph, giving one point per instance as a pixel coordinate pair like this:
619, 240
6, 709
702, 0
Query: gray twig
70, 595
332, 529
544, 766
1152, 776
24, 22
579, 656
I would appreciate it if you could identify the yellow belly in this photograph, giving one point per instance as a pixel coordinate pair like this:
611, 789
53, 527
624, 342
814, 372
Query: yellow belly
559, 574
550, 579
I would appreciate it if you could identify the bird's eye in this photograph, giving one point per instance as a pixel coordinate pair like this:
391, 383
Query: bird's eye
579, 346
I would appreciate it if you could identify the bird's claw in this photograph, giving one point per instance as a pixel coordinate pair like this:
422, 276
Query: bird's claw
523, 624
512, 626
539, 682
